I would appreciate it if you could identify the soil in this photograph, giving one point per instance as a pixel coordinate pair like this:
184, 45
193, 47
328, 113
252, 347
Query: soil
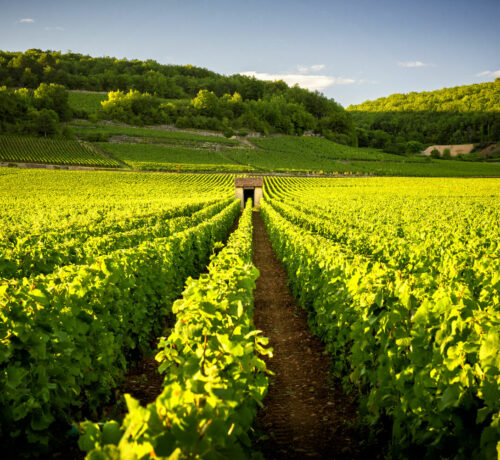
454, 149
248, 143
305, 415
491, 148
143, 381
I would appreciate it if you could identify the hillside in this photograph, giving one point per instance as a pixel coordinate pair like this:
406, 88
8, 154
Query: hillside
481, 97
459, 115
169, 149
146, 92
142, 115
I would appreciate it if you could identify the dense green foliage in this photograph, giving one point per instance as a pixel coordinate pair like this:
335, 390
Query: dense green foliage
214, 378
393, 131
35, 111
460, 115
51, 151
229, 114
217, 102
72, 315
480, 97
191, 97
400, 278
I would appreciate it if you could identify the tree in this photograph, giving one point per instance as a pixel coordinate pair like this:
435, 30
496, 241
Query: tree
29, 79
53, 97
135, 107
413, 147
206, 102
46, 122
446, 155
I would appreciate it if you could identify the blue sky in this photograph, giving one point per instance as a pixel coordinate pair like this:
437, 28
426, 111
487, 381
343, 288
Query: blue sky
350, 50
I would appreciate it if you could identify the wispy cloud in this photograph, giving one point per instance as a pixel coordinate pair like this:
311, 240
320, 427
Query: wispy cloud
312, 68
489, 73
413, 64
26, 20
54, 28
311, 82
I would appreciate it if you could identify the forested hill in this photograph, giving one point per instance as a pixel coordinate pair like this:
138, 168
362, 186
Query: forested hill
231, 102
459, 115
481, 97
77, 71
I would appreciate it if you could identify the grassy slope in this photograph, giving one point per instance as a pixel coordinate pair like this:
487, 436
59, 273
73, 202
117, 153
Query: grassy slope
300, 154
282, 162
163, 158
192, 151
316, 148
150, 135
90, 102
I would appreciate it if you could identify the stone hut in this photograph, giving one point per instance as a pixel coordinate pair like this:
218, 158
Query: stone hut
248, 187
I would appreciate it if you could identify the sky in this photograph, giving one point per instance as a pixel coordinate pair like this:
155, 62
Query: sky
350, 50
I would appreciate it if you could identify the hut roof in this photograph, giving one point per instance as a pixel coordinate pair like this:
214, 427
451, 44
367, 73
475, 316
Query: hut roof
248, 182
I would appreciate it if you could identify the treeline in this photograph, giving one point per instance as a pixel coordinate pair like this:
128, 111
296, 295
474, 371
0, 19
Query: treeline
265, 106
393, 130
229, 113
480, 97
34, 111
464, 114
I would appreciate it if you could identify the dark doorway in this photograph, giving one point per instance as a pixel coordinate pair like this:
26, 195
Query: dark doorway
248, 193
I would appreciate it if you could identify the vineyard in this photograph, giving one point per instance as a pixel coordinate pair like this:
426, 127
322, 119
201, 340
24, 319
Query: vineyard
168, 158
399, 278
106, 131
102, 145
310, 154
311, 146
88, 280
52, 151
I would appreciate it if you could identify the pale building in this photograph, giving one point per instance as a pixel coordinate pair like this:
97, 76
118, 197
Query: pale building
248, 187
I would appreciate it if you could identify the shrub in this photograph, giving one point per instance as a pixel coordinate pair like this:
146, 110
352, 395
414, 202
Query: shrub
435, 153
446, 154
413, 147
228, 132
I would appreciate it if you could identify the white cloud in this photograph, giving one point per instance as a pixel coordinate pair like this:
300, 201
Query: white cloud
311, 82
314, 68
489, 73
317, 67
26, 20
54, 28
413, 64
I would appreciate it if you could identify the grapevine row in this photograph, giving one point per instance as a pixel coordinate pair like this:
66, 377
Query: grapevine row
30, 259
67, 334
63, 152
214, 378
422, 351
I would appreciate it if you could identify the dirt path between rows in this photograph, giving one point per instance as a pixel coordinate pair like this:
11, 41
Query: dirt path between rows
304, 414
